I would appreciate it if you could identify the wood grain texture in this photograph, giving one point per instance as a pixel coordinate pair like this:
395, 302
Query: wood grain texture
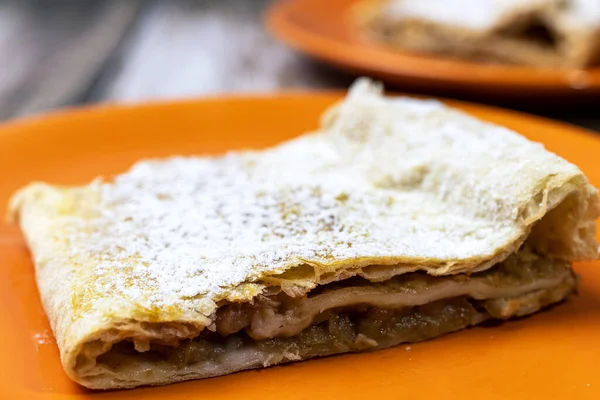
190, 48
55, 53
52, 51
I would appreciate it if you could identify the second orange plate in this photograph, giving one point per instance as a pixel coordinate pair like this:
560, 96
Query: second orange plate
324, 30
551, 355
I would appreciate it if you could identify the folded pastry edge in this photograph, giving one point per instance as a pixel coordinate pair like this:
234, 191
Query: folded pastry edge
554, 193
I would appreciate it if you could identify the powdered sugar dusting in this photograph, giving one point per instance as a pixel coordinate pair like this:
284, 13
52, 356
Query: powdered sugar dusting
42, 338
474, 14
490, 15
384, 179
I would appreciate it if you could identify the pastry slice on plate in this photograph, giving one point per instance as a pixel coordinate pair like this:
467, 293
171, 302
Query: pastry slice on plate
399, 220
546, 33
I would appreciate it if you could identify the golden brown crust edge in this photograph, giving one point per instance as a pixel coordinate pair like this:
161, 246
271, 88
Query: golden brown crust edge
93, 333
573, 49
557, 215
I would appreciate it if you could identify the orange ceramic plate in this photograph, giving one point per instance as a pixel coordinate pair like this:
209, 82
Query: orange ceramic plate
324, 29
551, 355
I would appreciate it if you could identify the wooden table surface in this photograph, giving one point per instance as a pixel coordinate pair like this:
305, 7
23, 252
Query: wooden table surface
66, 52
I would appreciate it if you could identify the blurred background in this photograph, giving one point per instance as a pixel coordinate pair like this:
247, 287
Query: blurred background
55, 53
59, 53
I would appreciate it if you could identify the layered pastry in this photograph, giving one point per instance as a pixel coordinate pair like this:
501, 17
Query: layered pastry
546, 33
398, 220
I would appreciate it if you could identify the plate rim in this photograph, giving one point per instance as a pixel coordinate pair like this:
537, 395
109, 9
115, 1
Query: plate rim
468, 75
15, 125
92, 112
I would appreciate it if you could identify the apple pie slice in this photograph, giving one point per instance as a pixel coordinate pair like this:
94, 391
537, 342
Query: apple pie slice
547, 33
399, 220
